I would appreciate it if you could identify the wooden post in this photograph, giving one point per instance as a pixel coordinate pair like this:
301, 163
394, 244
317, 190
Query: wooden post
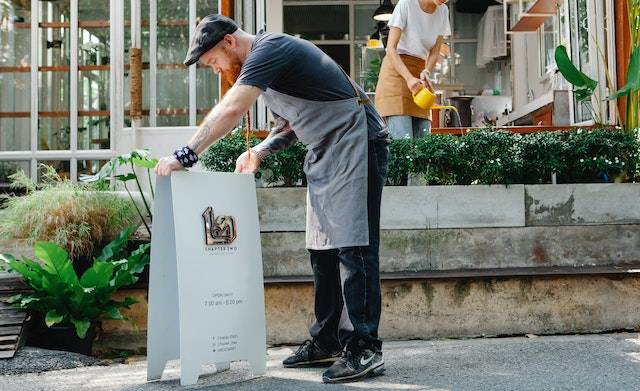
226, 9
623, 50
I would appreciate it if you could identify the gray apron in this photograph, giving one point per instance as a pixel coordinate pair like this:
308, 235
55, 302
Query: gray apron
335, 133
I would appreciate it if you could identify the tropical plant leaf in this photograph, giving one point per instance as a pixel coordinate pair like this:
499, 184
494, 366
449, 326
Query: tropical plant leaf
582, 94
6, 258
126, 177
128, 302
81, 326
53, 317
114, 248
146, 163
114, 313
633, 76
571, 73
97, 276
30, 271
56, 261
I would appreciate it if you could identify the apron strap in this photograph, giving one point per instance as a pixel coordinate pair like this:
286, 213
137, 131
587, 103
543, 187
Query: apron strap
361, 100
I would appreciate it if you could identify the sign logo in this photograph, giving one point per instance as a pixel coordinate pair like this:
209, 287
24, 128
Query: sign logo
219, 230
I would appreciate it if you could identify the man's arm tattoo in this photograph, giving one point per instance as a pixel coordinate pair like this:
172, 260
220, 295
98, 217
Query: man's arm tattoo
281, 137
199, 140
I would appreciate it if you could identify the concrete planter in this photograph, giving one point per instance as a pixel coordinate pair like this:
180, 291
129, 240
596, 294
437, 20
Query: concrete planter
474, 227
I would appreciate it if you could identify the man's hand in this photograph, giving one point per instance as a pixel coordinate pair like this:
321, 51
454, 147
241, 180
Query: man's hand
167, 165
414, 84
248, 164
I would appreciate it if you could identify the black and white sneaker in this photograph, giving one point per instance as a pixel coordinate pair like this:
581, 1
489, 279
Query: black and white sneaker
311, 354
355, 366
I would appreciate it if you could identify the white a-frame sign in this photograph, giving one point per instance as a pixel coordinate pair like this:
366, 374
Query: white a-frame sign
206, 294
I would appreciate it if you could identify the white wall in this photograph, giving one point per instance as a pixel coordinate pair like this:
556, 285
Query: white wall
525, 63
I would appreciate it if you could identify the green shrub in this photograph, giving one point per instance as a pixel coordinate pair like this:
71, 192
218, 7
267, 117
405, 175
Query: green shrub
283, 168
480, 157
542, 154
77, 217
601, 154
489, 157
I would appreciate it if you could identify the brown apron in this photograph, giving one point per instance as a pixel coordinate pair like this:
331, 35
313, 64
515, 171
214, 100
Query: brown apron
393, 97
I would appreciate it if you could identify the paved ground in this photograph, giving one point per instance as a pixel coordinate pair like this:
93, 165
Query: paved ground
577, 362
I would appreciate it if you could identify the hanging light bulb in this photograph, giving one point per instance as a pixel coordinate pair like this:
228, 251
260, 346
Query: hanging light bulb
384, 11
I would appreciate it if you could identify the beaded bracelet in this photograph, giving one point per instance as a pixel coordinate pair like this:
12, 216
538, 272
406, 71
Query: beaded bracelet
186, 156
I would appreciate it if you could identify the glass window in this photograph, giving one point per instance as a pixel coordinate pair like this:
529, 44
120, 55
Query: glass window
466, 24
365, 26
474, 79
90, 167
62, 167
580, 52
93, 75
547, 46
8, 168
317, 22
207, 86
15, 78
53, 78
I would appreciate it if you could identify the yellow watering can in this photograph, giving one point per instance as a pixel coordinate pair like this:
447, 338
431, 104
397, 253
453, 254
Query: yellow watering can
425, 99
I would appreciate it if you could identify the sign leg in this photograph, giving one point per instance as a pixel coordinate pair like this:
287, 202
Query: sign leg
189, 371
155, 367
259, 365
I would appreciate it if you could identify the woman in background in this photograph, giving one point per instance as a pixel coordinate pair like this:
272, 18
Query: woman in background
417, 28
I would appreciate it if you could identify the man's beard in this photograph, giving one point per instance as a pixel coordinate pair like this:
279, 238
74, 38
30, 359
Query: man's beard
232, 74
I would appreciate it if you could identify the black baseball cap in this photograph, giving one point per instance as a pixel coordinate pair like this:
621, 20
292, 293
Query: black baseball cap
211, 30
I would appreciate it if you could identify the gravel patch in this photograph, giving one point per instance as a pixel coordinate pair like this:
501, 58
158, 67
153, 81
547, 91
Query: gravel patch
35, 360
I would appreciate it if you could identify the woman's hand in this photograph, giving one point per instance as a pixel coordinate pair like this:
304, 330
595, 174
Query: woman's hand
248, 164
414, 85
424, 78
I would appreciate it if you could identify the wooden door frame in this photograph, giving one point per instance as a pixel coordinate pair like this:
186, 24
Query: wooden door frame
623, 49
226, 9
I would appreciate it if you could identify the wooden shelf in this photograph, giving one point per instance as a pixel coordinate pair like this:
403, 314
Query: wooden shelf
545, 7
535, 15
528, 24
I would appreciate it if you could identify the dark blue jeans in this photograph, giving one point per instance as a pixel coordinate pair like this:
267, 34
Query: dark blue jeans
347, 280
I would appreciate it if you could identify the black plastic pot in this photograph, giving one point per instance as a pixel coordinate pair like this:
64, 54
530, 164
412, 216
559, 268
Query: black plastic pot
60, 337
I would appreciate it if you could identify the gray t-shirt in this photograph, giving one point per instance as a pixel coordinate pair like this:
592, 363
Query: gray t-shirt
298, 68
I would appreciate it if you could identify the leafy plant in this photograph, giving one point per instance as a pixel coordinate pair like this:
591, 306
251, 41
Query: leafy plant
283, 168
63, 297
371, 74
80, 218
482, 157
136, 158
583, 86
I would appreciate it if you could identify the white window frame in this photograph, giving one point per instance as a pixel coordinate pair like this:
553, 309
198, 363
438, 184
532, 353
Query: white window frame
598, 11
73, 154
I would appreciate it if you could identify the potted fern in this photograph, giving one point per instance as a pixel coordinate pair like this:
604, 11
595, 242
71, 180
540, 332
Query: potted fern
71, 305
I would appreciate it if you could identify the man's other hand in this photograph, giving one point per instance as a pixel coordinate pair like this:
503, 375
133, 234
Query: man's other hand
248, 164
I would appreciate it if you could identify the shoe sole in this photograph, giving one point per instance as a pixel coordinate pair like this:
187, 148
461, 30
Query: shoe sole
378, 370
322, 362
